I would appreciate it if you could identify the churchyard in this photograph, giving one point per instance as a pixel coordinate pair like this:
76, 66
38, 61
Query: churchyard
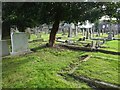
49, 67
46, 52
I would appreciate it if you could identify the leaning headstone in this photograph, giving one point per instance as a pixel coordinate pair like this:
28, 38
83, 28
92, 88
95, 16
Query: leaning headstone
19, 43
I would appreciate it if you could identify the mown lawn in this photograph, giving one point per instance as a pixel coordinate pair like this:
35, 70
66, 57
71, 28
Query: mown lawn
39, 70
103, 67
112, 45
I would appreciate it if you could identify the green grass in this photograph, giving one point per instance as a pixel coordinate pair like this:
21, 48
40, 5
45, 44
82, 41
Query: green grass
117, 36
112, 45
39, 70
100, 66
33, 37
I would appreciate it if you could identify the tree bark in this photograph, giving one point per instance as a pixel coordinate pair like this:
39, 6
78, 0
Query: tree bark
55, 26
53, 33
5, 30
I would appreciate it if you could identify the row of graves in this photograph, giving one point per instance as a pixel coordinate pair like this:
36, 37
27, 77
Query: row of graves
19, 40
88, 31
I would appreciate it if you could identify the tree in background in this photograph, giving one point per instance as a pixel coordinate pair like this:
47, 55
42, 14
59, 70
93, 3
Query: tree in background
30, 14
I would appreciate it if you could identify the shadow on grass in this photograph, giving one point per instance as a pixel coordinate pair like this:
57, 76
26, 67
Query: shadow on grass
12, 62
38, 48
13, 65
77, 48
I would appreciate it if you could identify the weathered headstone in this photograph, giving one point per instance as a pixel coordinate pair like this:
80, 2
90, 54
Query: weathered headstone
104, 41
93, 45
28, 32
0, 34
4, 50
83, 32
110, 36
19, 43
93, 31
90, 33
70, 42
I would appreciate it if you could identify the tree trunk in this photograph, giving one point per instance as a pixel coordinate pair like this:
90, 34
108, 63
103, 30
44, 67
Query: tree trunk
53, 33
5, 30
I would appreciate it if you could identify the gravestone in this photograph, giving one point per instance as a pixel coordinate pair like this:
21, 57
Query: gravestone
63, 30
69, 32
93, 31
0, 34
93, 45
69, 42
4, 50
104, 41
19, 43
116, 29
37, 32
87, 33
28, 32
110, 36
83, 32
90, 33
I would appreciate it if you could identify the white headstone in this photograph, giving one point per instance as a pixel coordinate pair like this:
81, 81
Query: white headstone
19, 42
72, 25
28, 32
